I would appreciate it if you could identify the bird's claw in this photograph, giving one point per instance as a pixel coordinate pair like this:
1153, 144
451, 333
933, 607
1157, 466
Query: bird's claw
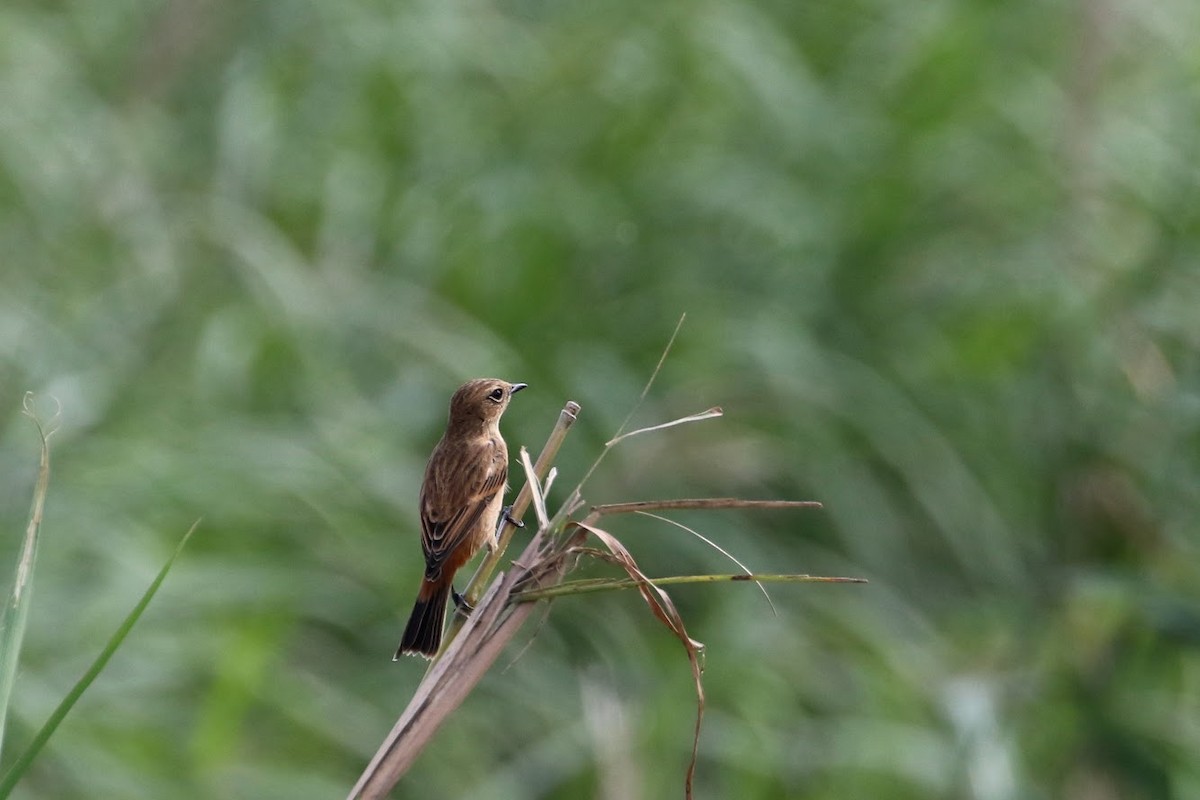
506, 515
460, 602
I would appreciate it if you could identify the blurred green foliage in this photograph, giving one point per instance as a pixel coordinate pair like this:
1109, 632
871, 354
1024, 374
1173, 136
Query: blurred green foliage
940, 263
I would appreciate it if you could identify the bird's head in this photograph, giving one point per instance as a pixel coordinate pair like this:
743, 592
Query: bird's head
482, 399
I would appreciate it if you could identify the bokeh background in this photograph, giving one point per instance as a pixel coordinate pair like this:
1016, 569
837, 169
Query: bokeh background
940, 266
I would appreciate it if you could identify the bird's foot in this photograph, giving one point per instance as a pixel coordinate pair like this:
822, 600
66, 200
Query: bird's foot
460, 603
506, 516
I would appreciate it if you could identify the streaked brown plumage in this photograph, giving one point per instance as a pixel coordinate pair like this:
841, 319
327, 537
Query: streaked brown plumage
461, 501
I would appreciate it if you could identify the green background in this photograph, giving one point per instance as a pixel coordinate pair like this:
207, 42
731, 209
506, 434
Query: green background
940, 266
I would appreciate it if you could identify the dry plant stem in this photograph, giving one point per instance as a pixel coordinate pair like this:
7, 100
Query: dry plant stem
566, 418
461, 666
702, 503
445, 686
590, 585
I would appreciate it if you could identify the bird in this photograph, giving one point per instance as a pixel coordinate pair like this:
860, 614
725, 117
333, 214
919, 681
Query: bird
461, 503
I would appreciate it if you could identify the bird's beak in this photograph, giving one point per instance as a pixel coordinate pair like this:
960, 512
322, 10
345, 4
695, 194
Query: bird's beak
516, 387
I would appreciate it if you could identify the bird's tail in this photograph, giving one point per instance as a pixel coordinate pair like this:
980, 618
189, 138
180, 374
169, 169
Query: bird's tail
423, 633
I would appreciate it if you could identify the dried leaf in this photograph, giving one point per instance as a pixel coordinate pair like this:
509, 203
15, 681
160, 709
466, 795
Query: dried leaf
711, 413
663, 608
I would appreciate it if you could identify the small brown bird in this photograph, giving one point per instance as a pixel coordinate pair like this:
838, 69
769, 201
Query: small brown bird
461, 498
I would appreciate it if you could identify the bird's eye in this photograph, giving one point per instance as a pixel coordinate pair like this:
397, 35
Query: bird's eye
497, 395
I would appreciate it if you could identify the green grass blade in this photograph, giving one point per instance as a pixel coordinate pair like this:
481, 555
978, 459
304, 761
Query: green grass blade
20, 766
16, 610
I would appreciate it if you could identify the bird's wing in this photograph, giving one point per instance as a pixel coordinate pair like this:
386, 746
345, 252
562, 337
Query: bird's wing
451, 505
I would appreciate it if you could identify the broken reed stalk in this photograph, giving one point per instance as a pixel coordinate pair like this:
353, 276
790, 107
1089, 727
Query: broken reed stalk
461, 666
566, 419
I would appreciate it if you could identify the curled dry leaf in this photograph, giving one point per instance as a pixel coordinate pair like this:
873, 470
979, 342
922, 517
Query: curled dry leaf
663, 608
